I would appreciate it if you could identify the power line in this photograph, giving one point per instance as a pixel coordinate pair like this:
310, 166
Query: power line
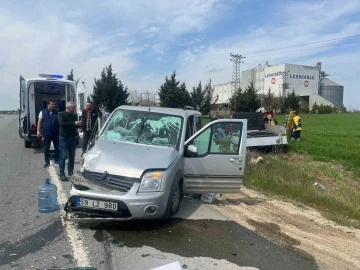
282, 52
305, 44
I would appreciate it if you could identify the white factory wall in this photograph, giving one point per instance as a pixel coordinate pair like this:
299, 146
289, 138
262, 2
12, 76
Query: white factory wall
303, 79
224, 91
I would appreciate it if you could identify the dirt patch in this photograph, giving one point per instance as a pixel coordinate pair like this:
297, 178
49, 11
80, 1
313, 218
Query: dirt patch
273, 231
301, 229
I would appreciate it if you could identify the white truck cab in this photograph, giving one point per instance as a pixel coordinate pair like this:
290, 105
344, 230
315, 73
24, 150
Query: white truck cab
34, 95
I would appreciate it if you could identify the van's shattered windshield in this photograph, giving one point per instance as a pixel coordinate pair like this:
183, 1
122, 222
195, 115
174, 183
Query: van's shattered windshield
143, 127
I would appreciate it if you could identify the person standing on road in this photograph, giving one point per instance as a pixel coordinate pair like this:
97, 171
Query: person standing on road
67, 139
297, 126
48, 129
88, 119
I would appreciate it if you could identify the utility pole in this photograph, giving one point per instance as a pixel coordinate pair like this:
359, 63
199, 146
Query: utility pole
237, 60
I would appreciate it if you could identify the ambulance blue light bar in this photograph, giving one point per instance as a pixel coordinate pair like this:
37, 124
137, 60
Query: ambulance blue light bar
50, 76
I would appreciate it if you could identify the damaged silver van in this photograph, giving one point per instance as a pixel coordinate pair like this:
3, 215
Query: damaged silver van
144, 159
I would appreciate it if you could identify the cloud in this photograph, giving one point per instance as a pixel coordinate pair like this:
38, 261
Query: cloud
147, 40
300, 29
42, 38
213, 70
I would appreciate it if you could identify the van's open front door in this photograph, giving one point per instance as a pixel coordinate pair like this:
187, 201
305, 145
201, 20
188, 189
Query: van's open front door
215, 157
23, 107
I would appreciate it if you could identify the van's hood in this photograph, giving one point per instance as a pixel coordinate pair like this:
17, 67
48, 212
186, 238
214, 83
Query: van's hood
127, 159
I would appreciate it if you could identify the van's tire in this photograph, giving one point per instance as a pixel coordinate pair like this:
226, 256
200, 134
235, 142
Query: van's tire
27, 144
174, 200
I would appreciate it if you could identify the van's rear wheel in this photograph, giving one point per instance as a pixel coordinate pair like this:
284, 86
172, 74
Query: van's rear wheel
27, 144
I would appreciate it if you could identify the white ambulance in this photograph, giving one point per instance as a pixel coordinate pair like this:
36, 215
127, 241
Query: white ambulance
34, 95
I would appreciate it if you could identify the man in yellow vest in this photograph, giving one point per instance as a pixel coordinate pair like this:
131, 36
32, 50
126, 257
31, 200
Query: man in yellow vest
297, 126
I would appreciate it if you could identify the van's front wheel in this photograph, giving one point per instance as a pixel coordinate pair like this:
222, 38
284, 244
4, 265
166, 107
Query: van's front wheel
175, 204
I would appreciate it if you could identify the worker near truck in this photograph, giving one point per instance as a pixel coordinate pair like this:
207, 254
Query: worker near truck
297, 128
67, 139
48, 130
270, 120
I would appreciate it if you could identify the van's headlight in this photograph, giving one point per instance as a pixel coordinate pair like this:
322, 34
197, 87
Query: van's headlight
151, 182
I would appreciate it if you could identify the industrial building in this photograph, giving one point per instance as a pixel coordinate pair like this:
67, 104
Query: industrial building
309, 82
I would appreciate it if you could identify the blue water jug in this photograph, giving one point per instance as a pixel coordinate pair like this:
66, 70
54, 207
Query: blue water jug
47, 197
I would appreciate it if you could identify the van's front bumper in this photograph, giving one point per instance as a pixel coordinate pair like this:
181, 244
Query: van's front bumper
131, 205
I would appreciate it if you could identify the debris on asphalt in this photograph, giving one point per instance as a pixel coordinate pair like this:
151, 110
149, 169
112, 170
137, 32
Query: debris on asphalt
208, 198
145, 255
12, 254
117, 243
184, 266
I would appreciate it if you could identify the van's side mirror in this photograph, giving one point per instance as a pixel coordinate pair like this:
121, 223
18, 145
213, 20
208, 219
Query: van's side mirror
192, 151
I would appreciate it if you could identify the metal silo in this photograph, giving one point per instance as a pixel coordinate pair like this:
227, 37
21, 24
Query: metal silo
332, 92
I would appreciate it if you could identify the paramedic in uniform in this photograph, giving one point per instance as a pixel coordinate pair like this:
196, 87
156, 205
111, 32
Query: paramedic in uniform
88, 118
297, 126
67, 139
48, 128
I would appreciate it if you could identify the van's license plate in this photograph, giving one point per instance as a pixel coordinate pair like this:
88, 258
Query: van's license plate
97, 204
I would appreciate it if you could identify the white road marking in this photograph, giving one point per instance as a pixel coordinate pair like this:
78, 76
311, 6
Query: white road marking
76, 238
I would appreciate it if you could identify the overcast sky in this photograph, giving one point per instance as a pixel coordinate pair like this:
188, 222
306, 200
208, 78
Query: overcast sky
147, 40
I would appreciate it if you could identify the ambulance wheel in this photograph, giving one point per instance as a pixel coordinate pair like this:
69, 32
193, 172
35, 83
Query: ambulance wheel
27, 144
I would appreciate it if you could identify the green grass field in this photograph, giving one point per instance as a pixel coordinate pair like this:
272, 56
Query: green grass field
321, 171
331, 138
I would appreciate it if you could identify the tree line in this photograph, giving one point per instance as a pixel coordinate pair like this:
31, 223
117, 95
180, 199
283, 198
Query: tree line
111, 92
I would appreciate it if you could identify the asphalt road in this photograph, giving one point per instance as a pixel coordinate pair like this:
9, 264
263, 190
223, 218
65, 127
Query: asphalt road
198, 237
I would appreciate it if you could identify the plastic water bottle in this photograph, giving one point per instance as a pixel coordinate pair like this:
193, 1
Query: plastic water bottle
47, 197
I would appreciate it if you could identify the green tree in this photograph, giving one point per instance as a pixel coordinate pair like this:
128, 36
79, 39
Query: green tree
237, 101
70, 77
172, 94
291, 102
304, 109
269, 101
209, 98
109, 90
251, 99
198, 97
343, 109
315, 108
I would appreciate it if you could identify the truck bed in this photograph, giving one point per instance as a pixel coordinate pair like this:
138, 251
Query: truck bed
272, 135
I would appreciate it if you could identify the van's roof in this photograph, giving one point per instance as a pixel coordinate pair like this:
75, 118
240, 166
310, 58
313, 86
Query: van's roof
164, 110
